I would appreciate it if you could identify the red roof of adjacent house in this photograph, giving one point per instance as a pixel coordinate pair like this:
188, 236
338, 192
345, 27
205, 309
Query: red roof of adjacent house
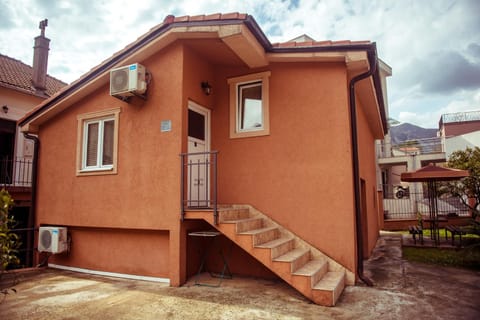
17, 75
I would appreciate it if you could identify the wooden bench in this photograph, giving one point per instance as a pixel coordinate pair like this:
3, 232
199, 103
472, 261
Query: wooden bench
414, 230
454, 230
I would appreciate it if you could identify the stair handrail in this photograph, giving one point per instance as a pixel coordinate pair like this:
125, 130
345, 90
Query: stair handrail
210, 167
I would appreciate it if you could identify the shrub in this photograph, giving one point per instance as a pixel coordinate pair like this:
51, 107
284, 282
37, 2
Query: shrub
9, 241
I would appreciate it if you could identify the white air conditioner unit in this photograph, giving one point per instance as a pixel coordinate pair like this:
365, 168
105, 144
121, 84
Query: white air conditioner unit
52, 239
128, 80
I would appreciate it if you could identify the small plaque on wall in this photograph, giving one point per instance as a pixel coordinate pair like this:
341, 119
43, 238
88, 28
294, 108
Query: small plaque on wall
166, 125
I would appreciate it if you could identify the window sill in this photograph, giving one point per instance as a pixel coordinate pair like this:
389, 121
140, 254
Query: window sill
249, 133
96, 171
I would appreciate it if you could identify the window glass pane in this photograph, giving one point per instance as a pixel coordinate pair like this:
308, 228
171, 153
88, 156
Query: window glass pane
196, 125
92, 144
107, 156
250, 106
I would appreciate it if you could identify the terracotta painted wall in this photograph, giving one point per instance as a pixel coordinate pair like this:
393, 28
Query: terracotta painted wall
367, 163
144, 195
147, 160
136, 252
300, 175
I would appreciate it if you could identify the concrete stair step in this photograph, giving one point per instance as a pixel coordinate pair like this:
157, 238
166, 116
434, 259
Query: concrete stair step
262, 235
315, 269
249, 224
227, 214
287, 255
297, 258
330, 280
329, 288
278, 246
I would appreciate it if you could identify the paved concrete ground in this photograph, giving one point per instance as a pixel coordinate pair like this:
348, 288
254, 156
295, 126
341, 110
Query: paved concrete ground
402, 290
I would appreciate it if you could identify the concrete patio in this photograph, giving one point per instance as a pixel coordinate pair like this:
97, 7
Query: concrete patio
402, 290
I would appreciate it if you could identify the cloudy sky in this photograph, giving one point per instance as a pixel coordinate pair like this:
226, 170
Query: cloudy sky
433, 47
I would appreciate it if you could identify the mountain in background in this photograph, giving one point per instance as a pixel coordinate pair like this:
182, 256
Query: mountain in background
407, 131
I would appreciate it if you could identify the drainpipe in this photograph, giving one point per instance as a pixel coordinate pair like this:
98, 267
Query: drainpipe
33, 205
372, 58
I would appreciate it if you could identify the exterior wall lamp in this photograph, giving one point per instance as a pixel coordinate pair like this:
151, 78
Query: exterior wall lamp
5, 109
206, 87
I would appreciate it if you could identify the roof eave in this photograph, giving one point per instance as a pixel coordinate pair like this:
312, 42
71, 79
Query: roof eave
261, 53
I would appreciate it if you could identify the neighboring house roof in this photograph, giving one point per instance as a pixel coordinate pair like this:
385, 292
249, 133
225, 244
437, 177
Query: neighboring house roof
17, 75
240, 33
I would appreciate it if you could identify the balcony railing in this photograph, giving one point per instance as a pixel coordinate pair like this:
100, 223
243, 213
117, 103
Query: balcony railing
198, 185
16, 172
411, 147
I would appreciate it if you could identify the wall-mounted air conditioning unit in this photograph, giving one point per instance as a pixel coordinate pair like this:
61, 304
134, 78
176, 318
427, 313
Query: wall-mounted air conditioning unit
52, 239
128, 81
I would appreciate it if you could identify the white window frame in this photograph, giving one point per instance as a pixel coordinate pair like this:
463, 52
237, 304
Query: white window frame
84, 121
235, 101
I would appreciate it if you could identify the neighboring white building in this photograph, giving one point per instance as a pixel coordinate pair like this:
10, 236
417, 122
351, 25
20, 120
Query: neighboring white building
402, 200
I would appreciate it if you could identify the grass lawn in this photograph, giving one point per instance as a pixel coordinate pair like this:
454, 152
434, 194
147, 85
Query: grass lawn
467, 257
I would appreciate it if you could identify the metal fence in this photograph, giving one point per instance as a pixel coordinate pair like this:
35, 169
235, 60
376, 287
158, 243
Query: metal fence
26, 251
407, 205
16, 172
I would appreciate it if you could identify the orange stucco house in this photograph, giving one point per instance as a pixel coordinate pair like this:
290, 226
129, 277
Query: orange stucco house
272, 145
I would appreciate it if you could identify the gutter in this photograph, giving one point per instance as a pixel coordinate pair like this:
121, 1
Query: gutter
373, 61
33, 199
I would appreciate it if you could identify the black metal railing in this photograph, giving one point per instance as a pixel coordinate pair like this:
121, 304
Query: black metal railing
26, 252
198, 184
402, 204
16, 172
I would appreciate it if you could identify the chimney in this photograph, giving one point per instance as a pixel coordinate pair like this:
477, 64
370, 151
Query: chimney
40, 59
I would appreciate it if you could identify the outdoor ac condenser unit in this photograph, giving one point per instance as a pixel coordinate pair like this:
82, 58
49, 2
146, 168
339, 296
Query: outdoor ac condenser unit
128, 80
52, 239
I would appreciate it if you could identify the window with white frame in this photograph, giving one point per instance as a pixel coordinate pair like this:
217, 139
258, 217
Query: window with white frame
249, 110
97, 145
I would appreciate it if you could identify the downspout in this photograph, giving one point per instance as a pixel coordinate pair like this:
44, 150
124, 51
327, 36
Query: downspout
372, 59
33, 205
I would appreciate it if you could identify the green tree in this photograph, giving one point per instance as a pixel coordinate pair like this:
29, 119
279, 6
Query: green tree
469, 187
9, 241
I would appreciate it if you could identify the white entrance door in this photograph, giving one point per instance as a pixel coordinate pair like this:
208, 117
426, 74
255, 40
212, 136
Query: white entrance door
199, 161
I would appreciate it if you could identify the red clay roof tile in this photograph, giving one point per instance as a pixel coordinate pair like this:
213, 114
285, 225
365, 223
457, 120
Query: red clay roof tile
181, 19
325, 43
215, 16
234, 15
18, 75
200, 17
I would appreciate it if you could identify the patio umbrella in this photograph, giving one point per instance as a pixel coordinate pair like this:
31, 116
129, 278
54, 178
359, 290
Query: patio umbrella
431, 174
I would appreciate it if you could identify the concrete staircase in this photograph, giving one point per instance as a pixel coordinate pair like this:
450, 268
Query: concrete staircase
312, 273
